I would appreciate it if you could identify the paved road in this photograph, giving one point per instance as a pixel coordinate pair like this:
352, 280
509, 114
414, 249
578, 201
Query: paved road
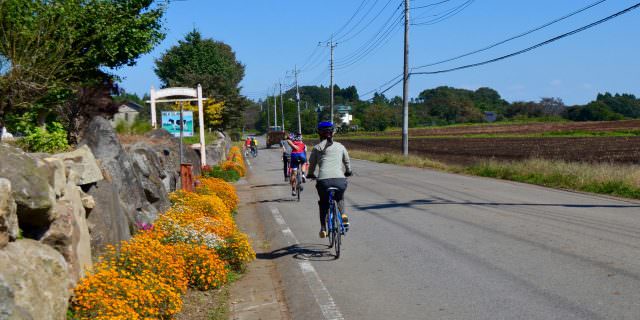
431, 245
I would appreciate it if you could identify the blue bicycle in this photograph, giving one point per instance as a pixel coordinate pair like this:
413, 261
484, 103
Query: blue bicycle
335, 228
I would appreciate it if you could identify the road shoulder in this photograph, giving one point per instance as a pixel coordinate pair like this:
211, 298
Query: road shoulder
258, 294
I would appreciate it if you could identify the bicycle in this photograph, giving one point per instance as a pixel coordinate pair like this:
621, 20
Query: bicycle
335, 228
298, 181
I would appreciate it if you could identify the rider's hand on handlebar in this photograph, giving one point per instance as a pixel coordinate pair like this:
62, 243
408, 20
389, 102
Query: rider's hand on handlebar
348, 173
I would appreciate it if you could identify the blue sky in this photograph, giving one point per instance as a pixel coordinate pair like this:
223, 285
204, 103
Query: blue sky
271, 37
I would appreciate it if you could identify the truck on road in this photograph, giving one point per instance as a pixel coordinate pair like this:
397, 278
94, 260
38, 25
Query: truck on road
275, 134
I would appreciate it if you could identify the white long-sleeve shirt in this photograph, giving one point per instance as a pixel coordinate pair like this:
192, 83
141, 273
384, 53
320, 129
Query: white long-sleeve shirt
332, 162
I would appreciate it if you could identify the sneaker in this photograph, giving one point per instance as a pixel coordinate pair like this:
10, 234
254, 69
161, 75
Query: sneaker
304, 179
293, 193
345, 221
322, 234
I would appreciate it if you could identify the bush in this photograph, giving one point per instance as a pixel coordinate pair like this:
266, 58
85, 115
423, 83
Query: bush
53, 139
218, 172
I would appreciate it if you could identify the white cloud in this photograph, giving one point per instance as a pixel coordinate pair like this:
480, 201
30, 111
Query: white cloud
556, 82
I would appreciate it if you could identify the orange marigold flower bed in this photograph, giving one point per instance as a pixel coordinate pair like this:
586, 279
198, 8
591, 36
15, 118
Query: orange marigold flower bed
235, 166
207, 205
205, 269
113, 293
224, 190
237, 251
145, 255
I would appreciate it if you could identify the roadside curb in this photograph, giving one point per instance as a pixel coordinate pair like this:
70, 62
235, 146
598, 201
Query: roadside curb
258, 293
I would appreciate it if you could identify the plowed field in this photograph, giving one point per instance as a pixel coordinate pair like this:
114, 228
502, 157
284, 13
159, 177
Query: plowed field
470, 150
530, 128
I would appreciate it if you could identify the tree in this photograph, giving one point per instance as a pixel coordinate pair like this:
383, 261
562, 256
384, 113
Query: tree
210, 63
54, 52
377, 118
594, 111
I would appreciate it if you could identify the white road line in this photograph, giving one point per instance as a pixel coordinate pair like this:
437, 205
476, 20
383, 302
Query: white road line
320, 293
249, 163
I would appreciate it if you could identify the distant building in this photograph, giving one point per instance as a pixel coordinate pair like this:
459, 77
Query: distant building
127, 112
490, 116
345, 113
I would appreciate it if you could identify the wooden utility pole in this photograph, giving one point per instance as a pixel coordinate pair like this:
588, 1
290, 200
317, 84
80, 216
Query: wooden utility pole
282, 106
275, 110
331, 46
405, 86
295, 72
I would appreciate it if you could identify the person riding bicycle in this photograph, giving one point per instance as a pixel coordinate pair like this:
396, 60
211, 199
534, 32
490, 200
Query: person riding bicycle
332, 160
247, 145
298, 159
286, 158
254, 146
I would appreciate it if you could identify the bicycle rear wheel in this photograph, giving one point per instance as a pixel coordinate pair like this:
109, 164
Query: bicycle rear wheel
298, 182
328, 224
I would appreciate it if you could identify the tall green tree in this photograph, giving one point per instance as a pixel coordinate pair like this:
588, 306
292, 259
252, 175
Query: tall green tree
55, 52
212, 64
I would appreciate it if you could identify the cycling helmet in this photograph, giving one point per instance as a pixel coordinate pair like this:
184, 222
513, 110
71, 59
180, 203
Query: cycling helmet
297, 136
325, 126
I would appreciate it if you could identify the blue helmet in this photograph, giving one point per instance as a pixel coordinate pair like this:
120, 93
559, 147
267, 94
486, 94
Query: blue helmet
325, 126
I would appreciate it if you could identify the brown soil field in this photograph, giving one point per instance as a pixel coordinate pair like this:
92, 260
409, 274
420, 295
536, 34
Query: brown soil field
529, 128
471, 150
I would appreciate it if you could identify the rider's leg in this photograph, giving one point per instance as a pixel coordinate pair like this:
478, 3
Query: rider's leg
323, 206
341, 184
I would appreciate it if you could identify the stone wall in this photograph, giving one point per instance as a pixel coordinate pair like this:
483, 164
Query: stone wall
58, 210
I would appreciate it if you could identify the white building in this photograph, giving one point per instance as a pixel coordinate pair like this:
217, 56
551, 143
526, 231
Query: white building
127, 112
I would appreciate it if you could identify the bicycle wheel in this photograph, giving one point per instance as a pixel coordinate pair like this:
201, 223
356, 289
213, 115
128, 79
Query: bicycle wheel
329, 225
337, 233
298, 182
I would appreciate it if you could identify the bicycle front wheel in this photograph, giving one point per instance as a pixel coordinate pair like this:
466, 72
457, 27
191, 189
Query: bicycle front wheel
336, 234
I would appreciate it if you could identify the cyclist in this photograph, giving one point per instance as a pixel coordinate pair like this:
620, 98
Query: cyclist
332, 160
254, 146
286, 157
298, 159
247, 145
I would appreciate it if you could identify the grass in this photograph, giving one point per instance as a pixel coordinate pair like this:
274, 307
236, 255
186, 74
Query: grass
208, 137
620, 180
221, 312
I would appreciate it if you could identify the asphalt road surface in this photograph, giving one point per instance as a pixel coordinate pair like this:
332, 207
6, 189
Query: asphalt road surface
431, 245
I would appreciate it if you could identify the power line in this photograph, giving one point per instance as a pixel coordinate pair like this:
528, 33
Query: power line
380, 35
430, 5
447, 14
514, 37
335, 34
357, 24
564, 35
368, 24
384, 39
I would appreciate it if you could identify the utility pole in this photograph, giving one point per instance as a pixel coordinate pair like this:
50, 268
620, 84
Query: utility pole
332, 46
405, 85
268, 116
282, 106
295, 72
275, 110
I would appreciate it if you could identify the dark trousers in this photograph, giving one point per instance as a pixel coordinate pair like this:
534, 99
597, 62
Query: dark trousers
286, 158
322, 186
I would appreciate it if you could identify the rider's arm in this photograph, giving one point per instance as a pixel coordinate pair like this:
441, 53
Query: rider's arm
345, 160
293, 146
313, 161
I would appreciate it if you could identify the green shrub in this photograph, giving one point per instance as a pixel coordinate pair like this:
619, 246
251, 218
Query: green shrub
218, 172
122, 127
51, 139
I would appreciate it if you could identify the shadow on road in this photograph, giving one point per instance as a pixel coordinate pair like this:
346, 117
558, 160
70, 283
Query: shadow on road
280, 200
301, 251
421, 202
270, 185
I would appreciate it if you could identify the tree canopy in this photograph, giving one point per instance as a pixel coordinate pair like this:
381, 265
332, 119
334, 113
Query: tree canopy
212, 64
